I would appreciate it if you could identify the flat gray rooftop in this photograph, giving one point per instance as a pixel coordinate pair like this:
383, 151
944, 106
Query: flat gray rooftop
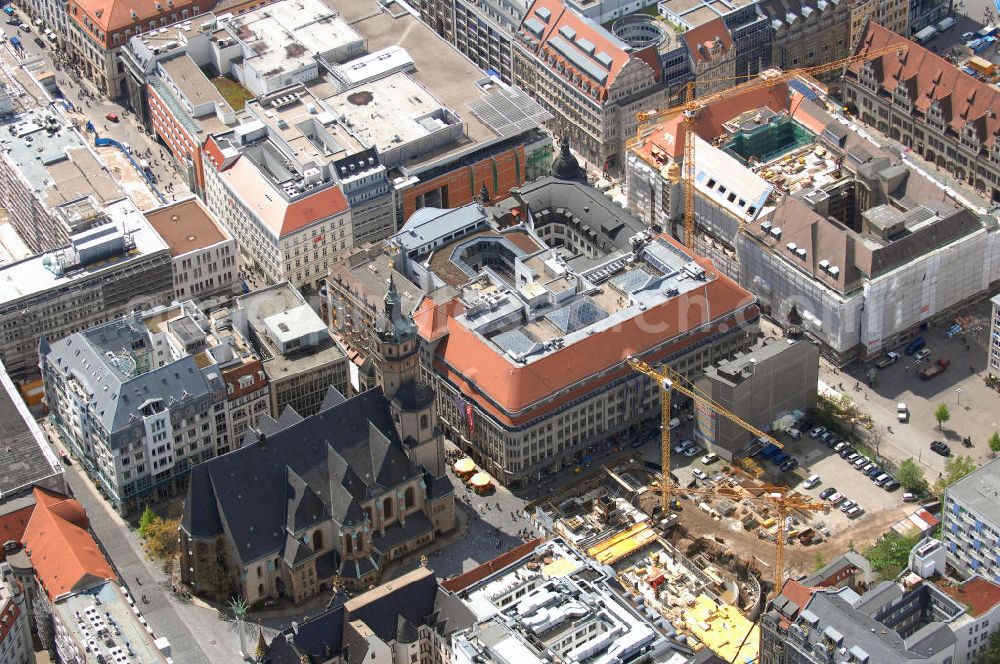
980, 491
27, 458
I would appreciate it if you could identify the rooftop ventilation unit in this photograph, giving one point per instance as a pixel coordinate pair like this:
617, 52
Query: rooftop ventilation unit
834, 270
776, 233
791, 246
765, 226
824, 264
801, 253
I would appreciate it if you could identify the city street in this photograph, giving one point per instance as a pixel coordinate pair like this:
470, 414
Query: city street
197, 635
89, 106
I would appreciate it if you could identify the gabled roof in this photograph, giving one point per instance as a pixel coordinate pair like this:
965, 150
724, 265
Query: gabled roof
298, 474
575, 41
702, 40
65, 556
113, 15
929, 78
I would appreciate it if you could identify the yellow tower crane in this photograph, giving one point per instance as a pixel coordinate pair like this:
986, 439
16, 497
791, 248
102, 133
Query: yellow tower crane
692, 106
668, 381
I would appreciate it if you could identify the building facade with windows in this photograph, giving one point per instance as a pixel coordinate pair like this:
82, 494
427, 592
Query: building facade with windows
930, 106
591, 82
301, 359
117, 265
994, 339
140, 400
203, 253
15, 632
969, 526
98, 30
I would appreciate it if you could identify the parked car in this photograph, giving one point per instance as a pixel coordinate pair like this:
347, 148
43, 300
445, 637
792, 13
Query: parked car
710, 458
846, 452
812, 481
891, 485
817, 432
681, 446
791, 464
794, 434
833, 442
902, 412
967, 36
828, 436
700, 474
861, 462
39, 42
855, 512
827, 492
113, 117
693, 451
885, 480
940, 448
910, 497
875, 472
922, 354
846, 505
932, 370
852, 457
836, 499
867, 467
915, 345
887, 359
839, 446
880, 478
805, 425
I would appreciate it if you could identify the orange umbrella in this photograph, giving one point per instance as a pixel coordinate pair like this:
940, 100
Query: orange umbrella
465, 465
480, 480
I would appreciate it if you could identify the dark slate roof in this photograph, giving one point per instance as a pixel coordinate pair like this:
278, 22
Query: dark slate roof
297, 475
393, 612
27, 459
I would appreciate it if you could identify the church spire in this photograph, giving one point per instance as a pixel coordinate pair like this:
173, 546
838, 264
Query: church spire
392, 325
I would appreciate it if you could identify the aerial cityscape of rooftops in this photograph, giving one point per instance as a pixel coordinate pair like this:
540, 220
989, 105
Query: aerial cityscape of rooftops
500, 331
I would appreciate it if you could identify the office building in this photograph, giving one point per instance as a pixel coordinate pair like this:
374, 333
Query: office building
969, 528
51, 179
892, 15
549, 604
301, 358
99, 29
410, 617
116, 266
140, 400
928, 104
911, 619
819, 217
537, 302
328, 498
203, 253
64, 572
592, 82
766, 387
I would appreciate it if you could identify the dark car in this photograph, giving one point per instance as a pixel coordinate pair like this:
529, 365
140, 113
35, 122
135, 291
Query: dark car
826, 437
847, 451
833, 442
940, 448
827, 492
891, 485
806, 425
791, 464
39, 42
874, 472
13, 21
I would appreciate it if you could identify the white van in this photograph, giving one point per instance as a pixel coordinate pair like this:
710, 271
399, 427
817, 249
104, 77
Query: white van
674, 423
812, 481
902, 412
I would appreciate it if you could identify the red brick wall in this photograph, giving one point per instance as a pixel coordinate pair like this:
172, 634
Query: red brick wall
171, 130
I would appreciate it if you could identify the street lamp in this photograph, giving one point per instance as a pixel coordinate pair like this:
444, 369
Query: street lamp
958, 395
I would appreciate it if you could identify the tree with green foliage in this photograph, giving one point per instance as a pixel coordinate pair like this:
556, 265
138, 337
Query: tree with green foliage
995, 443
147, 518
911, 476
891, 553
991, 655
942, 414
955, 468
161, 538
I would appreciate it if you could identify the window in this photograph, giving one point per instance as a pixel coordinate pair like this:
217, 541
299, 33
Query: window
409, 498
387, 508
317, 540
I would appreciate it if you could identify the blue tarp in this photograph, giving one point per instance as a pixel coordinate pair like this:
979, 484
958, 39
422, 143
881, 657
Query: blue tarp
769, 450
780, 458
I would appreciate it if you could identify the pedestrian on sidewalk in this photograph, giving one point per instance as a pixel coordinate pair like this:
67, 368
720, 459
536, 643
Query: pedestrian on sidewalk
138, 581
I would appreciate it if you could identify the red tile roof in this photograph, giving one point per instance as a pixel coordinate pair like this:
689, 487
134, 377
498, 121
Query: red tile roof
979, 595
463, 581
110, 16
65, 556
667, 137
702, 39
12, 526
562, 17
929, 78
797, 593
512, 392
